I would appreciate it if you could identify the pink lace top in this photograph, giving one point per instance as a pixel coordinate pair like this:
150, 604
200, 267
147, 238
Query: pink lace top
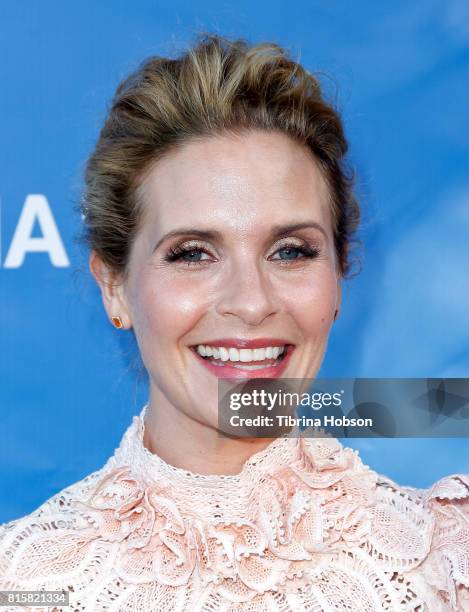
305, 526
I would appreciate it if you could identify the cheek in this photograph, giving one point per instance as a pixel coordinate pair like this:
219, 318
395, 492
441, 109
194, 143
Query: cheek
312, 303
167, 308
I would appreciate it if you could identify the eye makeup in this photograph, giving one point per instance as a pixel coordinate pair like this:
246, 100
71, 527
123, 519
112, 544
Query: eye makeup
291, 246
187, 252
290, 250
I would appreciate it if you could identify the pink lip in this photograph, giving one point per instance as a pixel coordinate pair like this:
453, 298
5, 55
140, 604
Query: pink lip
228, 371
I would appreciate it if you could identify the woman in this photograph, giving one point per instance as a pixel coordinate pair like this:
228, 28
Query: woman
219, 217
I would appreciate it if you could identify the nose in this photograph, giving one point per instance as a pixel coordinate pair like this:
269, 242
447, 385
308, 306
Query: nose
248, 294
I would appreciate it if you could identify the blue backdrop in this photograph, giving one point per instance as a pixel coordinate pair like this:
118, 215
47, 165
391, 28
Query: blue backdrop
400, 76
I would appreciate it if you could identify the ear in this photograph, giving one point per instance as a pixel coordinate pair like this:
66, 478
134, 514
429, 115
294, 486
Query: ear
112, 290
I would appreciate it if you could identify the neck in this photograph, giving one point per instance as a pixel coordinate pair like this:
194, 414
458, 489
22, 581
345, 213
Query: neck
186, 443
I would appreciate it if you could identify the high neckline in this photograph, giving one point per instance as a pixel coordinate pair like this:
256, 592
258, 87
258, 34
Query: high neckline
233, 494
227, 494
294, 498
280, 450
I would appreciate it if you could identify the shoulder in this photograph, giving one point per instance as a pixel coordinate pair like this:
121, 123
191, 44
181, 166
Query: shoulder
46, 549
448, 501
430, 529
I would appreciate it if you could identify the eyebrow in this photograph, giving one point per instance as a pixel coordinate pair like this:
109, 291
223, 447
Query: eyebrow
278, 231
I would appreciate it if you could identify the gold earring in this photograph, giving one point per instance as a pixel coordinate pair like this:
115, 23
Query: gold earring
117, 321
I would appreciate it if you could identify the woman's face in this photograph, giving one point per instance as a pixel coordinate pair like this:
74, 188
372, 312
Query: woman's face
233, 273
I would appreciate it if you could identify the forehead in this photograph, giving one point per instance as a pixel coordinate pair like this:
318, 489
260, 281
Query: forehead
235, 182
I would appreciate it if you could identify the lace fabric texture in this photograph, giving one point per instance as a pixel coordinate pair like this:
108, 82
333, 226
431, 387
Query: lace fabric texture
305, 526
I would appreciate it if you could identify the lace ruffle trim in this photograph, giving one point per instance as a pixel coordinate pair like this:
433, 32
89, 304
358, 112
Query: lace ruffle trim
448, 563
324, 501
318, 503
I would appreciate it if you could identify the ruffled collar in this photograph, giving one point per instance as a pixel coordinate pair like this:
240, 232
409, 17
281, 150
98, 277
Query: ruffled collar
221, 494
246, 533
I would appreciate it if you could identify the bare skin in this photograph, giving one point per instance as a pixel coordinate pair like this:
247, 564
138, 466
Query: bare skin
248, 275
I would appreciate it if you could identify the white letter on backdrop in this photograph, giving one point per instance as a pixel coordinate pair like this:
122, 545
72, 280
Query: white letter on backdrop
37, 207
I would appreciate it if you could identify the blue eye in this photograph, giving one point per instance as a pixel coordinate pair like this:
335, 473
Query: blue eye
188, 255
193, 255
289, 252
197, 255
293, 252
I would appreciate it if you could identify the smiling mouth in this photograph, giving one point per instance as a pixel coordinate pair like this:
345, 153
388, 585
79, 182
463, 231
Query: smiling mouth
247, 359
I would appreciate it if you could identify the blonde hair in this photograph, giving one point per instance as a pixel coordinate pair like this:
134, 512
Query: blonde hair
217, 86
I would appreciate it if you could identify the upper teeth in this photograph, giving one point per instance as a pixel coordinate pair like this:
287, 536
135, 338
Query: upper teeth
234, 354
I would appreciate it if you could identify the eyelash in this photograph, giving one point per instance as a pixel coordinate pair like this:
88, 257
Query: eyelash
177, 253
